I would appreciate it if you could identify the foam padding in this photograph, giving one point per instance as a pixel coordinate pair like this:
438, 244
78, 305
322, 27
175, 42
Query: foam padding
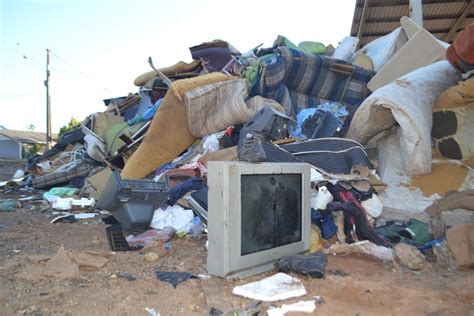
168, 135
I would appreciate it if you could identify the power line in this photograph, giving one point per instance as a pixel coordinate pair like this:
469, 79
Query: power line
77, 70
69, 65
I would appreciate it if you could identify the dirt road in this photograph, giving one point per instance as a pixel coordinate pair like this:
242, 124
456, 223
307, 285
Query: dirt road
354, 285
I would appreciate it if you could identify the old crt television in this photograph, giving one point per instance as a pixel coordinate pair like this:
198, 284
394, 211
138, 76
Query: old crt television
258, 213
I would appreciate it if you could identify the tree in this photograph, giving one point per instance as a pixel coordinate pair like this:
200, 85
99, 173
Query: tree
30, 149
66, 128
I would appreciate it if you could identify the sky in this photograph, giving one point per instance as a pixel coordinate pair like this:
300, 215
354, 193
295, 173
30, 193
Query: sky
100, 46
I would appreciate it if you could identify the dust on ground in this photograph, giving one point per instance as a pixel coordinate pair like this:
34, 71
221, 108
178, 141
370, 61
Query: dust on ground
354, 285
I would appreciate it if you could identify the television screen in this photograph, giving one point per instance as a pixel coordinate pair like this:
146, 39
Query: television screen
274, 220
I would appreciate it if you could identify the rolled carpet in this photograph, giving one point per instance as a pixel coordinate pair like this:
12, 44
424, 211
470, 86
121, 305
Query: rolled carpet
169, 134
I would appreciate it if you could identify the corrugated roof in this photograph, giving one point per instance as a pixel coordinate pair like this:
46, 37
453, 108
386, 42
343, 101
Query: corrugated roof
25, 136
439, 17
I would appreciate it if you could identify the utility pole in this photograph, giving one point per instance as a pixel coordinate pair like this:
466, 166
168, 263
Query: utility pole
48, 102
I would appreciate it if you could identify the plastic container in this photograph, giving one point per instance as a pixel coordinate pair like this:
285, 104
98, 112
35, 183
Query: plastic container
133, 202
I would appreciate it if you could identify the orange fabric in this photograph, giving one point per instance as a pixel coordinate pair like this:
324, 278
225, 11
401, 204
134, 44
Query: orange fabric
456, 96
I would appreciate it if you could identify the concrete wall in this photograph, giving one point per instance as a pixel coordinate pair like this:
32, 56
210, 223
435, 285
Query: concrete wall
10, 149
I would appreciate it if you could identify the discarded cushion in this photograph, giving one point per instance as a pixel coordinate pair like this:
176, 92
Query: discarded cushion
336, 157
214, 55
81, 169
216, 106
169, 134
298, 80
409, 102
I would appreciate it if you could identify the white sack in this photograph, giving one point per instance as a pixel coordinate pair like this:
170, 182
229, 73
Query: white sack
383, 48
346, 48
409, 102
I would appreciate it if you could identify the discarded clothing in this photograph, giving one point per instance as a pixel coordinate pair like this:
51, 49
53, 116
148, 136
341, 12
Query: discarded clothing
407, 101
312, 264
354, 214
162, 142
393, 232
325, 222
179, 190
299, 80
174, 277
418, 232
147, 115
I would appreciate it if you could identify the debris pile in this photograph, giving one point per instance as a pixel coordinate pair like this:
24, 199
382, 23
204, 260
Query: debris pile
366, 121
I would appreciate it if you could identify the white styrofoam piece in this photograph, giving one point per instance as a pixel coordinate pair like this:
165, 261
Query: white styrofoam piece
420, 50
299, 307
280, 286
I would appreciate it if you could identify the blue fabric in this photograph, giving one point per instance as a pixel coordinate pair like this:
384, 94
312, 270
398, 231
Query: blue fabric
179, 190
147, 115
325, 222
336, 108
299, 80
300, 118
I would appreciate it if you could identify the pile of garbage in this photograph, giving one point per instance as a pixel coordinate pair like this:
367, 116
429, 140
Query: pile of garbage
362, 118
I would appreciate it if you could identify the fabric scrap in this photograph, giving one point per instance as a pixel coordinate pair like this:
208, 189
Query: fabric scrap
174, 277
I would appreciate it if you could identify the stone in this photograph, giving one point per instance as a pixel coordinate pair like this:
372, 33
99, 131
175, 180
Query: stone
460, 239
409, 256
151, 257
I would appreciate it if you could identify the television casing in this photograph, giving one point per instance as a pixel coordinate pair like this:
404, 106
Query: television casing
224, 257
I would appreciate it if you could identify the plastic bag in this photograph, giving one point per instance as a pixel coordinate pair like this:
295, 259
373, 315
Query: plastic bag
147, 237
